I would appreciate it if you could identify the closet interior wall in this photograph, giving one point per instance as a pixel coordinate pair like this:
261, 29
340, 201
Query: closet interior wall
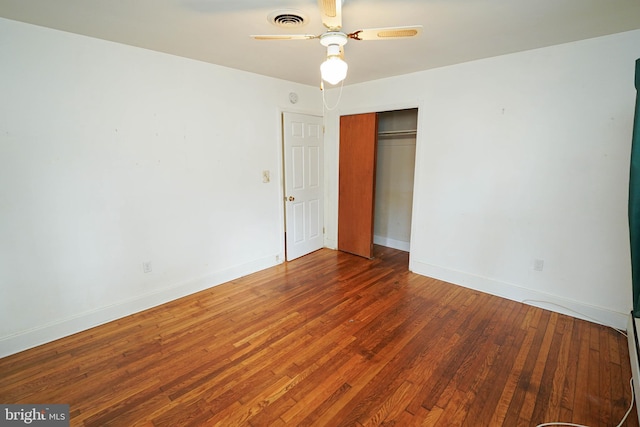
396, 153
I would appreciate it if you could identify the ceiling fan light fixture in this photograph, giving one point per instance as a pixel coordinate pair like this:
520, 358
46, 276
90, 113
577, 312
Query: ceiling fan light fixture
333, 70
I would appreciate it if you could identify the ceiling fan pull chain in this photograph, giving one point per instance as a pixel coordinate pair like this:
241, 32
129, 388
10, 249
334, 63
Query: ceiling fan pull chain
324, 102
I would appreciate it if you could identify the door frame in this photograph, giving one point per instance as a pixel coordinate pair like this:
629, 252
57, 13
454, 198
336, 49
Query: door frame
281, 257
380, 108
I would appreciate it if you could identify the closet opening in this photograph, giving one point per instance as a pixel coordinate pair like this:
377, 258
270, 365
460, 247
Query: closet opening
395, 166
376, 175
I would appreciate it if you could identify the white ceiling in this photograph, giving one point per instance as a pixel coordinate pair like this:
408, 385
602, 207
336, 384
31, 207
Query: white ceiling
217, 31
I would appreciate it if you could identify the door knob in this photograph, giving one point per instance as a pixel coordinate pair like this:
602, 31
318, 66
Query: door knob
291, 198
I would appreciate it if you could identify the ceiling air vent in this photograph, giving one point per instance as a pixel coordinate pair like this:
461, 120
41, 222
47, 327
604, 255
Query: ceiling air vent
287, 18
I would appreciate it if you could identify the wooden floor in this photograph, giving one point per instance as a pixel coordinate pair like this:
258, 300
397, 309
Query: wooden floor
337, 340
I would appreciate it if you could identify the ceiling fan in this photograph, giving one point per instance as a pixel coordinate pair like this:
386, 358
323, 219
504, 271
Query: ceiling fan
334, 69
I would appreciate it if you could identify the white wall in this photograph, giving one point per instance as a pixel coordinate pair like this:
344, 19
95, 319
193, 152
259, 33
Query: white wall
111, 156
519, 158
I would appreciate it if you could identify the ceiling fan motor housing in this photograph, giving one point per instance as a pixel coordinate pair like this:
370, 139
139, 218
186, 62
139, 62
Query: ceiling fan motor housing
333, 38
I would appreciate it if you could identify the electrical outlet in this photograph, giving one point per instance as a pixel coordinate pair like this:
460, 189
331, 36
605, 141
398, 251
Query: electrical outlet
266, 176
146, 267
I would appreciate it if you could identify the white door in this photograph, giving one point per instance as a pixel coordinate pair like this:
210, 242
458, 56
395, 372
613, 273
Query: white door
303, 165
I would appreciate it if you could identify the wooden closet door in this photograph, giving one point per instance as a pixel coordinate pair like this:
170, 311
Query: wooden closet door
357, 175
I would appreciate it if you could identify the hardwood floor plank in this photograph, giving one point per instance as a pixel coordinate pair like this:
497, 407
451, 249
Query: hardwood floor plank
605, 374
537, 326
547, 407
392, 407
471, 340
434, 417
400, 366
535, 380
325, 390
582, 401
490, 406
332, 339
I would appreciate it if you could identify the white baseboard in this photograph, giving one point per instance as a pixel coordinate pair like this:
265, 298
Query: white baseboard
58, 329
392, 243
513, 292
330, 243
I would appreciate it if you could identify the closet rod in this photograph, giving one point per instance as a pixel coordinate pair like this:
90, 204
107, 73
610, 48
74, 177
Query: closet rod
392, 133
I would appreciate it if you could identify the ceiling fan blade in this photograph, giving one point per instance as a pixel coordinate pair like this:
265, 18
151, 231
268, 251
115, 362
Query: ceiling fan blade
284, 37
386, 33
331, 12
